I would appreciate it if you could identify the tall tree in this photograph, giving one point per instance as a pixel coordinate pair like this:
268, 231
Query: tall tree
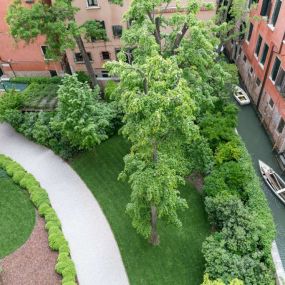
184, 36
159, 121
56, 22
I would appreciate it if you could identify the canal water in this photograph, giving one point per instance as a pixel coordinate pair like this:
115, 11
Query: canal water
260, 148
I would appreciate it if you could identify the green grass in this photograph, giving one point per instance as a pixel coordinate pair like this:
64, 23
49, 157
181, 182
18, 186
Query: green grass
17, 215
178, 258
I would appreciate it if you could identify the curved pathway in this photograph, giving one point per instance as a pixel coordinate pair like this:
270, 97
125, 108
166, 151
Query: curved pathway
93, 247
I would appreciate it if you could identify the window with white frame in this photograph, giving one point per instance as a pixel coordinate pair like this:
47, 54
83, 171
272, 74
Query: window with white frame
275, 68
276, 12
92, 3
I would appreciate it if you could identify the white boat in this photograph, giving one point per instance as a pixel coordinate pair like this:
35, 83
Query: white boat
240, 95
273, 180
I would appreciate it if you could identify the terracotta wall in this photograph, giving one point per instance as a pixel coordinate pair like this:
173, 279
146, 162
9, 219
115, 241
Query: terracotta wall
112, 15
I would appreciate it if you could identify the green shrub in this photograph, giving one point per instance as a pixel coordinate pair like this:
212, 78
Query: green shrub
109, 91
10, 100
64, 249
18, 175
68, 283
50, 224
83, 76
28, 181
52, 217
237, 208
56, 240
207, 281
29, 80
39, 197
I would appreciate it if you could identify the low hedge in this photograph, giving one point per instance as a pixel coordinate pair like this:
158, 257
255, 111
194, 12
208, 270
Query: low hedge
37, 79
240, 246
40, 199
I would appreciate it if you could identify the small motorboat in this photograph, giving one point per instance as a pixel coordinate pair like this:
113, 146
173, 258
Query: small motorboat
273, 180
240, 95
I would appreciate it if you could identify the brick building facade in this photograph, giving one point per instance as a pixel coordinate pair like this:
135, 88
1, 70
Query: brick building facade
20, 59
112, 18
261, 63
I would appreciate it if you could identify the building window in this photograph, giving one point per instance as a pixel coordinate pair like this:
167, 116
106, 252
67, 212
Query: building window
117, 31
79, 58
281, 126
44, 51
275, 68
105, 55
280, 81
265, 8
244, 58
92, 3
264, 54
105, 73
102, 35
271, 103
258, 45
250, 71
276, 12
250, 32
258, 82
52, 73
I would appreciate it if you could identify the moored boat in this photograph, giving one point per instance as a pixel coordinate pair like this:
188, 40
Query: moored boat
273, 180
240, 95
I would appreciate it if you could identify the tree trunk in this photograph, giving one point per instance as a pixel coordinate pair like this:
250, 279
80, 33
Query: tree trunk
179, 38
154, 238
87, 62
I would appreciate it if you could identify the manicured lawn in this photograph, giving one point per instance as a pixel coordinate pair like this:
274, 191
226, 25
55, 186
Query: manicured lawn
17, 215
178, 259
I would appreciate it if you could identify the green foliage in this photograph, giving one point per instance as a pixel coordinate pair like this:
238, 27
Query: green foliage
41, 96
10, 100
110, 90
219, 127
39, 80
81, 118
83, 76
154, 97
94, 30
207, 281
56, 22
237, 209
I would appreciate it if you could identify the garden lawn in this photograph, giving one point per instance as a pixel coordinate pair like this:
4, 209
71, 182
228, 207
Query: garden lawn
178, 258
17, 215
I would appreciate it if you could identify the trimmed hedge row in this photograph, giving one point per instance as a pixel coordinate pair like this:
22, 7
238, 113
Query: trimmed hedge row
45, 80
40, 199
240, 246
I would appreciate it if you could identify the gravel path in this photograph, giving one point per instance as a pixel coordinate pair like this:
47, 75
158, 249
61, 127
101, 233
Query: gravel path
93, 247
33, 263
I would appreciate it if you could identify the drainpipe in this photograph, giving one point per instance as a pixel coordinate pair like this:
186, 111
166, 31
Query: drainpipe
267, 69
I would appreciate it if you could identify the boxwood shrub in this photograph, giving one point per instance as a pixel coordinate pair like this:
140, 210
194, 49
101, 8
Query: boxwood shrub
39, 197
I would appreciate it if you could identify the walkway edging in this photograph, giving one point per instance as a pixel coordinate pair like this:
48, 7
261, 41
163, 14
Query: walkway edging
40, 199
93, 246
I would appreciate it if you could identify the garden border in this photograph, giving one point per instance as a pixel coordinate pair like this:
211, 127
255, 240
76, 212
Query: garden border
40, 199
